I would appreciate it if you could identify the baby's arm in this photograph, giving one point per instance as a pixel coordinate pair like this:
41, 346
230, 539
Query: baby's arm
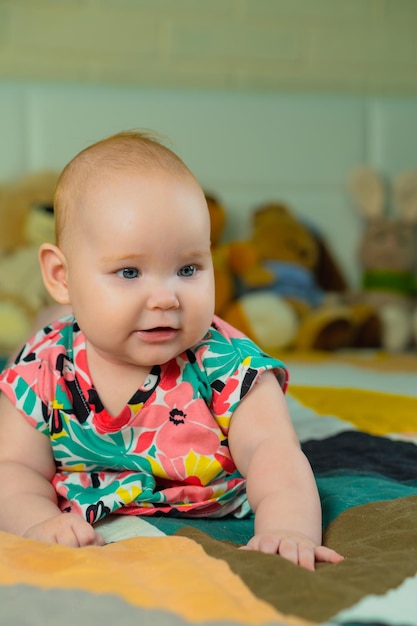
280, 484
28, 502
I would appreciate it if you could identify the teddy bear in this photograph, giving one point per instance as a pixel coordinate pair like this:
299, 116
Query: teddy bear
26, 221
286, 281
223, 280
260, 305
387, 252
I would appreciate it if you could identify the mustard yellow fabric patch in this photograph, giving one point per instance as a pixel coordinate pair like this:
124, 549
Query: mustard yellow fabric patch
371, 412
165, 573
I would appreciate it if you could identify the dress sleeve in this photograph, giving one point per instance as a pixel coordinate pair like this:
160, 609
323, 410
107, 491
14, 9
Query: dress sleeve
14, 383
233, 363
29, 382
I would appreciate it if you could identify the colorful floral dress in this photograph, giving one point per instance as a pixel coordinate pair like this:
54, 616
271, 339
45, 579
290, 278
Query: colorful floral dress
166, 452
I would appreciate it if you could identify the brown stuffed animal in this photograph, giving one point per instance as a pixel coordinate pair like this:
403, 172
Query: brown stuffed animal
259, 307
282, 259
26, 221
223, 280
388, 253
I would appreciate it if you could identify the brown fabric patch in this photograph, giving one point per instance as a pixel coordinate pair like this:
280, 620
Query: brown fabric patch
379, 541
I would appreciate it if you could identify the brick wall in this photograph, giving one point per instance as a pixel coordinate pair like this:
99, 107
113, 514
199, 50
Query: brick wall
366, 46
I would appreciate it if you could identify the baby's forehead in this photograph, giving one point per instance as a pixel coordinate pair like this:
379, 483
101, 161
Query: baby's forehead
153, 174
91, 176
123, 184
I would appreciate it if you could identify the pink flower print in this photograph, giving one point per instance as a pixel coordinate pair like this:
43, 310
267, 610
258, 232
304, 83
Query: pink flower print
188, 425
226, 462
170, 470
199, 355
69, 506
10, 376
186, 495
144, 441
170, 376
221, 401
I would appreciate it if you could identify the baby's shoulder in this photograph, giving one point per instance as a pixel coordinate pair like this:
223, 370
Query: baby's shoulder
47, 343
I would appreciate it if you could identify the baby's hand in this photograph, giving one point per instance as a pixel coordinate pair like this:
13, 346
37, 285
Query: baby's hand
294, 547
67, 529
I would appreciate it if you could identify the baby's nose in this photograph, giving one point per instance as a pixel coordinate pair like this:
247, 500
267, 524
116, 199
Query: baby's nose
163, 296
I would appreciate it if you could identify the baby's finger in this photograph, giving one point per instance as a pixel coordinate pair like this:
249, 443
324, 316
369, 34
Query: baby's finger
86, 535
288, 549
306, 557
267, 544
328, 555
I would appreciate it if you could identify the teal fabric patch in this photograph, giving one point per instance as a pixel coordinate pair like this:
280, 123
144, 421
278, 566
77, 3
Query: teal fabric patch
341, 491
338, 493
231, 529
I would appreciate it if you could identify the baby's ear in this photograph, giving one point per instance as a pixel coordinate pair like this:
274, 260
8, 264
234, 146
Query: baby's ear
54, 272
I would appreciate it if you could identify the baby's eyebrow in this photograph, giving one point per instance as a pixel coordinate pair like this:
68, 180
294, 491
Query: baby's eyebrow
187, 256
123, 258
196, 254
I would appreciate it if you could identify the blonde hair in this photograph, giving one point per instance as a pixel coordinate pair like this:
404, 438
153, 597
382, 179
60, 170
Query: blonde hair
122, 151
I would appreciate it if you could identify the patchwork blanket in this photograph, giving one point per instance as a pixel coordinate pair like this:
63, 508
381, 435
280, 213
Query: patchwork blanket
356, 417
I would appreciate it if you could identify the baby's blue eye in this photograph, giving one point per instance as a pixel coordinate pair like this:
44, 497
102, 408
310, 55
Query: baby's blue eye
187, 271
129, 273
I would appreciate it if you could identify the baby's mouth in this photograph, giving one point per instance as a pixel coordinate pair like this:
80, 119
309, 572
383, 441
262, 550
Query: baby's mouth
159, 329
158, 333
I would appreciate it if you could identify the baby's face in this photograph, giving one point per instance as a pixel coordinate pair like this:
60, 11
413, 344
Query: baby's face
140, 274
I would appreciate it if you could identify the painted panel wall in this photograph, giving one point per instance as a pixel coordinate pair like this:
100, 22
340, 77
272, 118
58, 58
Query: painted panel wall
336, 45
246, 147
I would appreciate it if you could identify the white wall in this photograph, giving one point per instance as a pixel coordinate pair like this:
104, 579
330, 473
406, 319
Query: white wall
246, 147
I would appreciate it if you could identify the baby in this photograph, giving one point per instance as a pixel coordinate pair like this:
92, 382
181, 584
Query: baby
142, 401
